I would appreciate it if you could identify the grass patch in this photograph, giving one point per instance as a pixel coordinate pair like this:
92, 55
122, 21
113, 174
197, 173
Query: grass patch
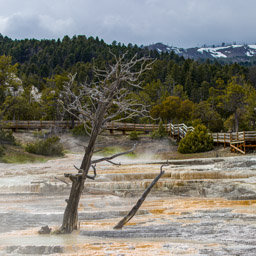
18, 155
67, 151
109, 151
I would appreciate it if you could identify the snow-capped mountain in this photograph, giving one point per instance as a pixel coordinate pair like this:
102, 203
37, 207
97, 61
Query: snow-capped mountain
229, 52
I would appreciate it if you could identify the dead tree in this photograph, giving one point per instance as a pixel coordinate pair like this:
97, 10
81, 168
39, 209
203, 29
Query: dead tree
136, 207
95, 105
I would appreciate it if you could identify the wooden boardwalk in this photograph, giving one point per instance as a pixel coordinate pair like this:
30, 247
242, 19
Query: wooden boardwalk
238, 141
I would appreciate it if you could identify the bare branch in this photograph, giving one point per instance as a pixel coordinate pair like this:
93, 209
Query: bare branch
114, 156
79, 170
163, 165
61, 180
113, 163
112, 91
94, 171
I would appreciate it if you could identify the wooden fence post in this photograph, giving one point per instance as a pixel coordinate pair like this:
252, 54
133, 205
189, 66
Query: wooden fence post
124, 129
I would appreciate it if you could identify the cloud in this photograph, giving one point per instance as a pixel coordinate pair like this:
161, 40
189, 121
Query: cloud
183, 23
20, 26
56, 26
3, 23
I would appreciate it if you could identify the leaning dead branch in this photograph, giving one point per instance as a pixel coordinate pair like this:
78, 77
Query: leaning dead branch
136, 207
62, 181
114, 156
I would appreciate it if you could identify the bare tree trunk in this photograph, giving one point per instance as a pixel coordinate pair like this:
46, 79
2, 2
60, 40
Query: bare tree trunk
70, 218
136, 207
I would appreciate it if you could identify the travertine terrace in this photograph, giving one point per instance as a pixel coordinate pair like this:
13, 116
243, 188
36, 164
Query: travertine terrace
199, 207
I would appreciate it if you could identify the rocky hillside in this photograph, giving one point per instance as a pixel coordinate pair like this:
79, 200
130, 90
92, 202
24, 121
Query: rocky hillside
233, 53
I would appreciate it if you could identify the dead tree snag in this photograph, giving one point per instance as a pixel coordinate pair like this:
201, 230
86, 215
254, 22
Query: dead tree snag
136, 207
93, 105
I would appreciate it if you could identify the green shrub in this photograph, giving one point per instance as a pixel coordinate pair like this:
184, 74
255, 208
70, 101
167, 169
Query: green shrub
6, 137
1, 150
160, 132
197, 141
39, 134
79, 130
46, 147
134, 135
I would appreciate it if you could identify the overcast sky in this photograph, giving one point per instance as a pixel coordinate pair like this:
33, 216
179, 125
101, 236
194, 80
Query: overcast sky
182, 23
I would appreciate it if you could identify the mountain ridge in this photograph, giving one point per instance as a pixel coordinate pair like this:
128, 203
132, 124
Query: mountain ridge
226, 52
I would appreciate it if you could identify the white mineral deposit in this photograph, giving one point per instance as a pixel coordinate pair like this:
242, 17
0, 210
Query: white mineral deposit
199, 207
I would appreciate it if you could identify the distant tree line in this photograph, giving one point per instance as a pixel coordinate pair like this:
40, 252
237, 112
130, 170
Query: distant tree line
32, 74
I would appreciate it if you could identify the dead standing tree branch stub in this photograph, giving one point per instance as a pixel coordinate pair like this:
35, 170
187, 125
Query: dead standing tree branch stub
136, 207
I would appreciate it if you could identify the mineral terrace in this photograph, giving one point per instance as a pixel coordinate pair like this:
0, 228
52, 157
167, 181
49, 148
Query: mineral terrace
199, 207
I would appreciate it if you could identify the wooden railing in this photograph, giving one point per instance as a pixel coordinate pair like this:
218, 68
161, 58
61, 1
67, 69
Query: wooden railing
130, 127
32, 125
234, 137
237, 140
180, 130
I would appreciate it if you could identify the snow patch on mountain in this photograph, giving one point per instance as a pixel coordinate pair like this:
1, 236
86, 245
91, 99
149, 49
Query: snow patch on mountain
249, 54
215, 52
236, 45
252, 46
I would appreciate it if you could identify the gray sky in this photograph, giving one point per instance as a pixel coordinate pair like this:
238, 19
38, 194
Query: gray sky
181, 23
